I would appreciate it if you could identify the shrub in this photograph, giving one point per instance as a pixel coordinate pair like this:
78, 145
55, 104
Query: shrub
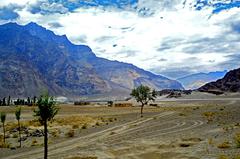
237, 140
237, 157
15, 135
110, 103
70, 133
78, 157
75, 126
111, 119
34, 142
224, 145
55, 133
81, 103
210, 141
223, 157
84, 126
4, 145
123, 104
153, 105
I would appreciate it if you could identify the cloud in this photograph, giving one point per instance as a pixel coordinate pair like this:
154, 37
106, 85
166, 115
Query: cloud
55, 25
9, 12
217, 6
45, 7
236, 27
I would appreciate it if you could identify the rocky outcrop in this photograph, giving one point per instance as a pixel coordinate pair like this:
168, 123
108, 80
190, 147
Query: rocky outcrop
229, 83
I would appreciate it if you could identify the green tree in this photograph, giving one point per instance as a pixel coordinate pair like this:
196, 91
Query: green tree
18, 117
143, 94
4, 102
9, 100
3, 119
46, 111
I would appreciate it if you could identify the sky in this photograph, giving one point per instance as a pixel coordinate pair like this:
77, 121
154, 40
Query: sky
168, 37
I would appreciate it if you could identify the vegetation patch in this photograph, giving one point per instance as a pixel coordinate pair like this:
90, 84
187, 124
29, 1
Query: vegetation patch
78, 157
74, 120
237, 140
70, 133
224, 145
123, 104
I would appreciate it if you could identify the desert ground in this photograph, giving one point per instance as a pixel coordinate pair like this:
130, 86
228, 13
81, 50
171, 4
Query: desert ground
186, 128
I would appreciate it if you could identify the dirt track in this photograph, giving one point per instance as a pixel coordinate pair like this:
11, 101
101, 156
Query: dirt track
159, 134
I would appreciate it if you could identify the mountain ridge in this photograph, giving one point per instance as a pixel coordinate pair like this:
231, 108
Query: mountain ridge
229, 83
194, 81
32, 54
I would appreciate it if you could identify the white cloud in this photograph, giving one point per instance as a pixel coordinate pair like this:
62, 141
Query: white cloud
18, 2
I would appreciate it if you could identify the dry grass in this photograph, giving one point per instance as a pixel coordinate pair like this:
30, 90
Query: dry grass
237, 140
224, 145
209, 116
78, 157
123, 104
84, 126
210, 141
74, 120
34, 142
75, 126
55, 133
70, 133
223, 157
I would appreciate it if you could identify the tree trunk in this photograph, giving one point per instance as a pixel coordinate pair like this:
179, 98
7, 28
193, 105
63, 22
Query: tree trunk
45, 140
4, 133
142, 110
19, 131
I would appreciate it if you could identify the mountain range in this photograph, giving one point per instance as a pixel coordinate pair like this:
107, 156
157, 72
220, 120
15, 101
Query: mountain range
197, 80
33, 59
229, 83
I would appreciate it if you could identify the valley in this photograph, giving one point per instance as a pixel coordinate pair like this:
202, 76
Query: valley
181, 128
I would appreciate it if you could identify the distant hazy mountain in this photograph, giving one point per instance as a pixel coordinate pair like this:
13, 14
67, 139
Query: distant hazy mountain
33, 59
197, 80
229, 83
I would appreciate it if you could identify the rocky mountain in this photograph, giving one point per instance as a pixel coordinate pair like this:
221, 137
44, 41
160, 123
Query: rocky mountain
229, 83
33, 58
197, 80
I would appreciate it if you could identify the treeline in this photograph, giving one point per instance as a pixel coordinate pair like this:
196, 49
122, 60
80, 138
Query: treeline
8, 101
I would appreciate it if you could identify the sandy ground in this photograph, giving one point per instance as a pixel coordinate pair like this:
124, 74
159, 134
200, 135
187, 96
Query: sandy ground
176, 129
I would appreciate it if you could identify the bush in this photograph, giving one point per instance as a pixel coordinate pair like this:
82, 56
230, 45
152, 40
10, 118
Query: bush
110, 103
55, 133
111, 119
123, 104
4, 145
75, 126
34, 142
154, 105
15, 135
70, 133
237, 140
223, 157
224, 145
78, 157
81, 103
84, 126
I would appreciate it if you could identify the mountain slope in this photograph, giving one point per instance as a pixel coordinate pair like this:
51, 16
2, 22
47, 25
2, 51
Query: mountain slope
197, 80
34, 58
229, 83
